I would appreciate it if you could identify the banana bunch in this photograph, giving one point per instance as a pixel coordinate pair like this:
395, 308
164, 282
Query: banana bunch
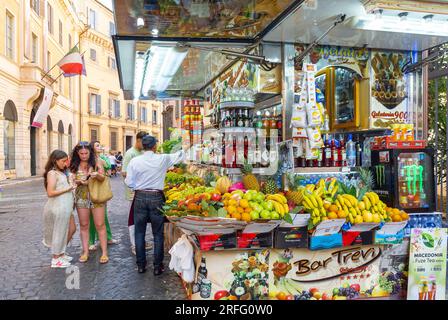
280, 203
348, 204
173, 194
330, 192
375, 205
313, 203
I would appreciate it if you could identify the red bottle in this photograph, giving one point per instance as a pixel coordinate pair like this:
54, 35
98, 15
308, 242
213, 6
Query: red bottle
334, 153
234, 152
327, 153
246, 147
342, 154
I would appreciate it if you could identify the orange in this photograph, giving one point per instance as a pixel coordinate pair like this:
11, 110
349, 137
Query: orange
281, 295
236, 215
327, 205
404, 216
231, 209
226, 202
332, 215
244, 203
342, 214
233, 298
248, 210
240, 210
245, 217
333, 208
395, 211
396, 218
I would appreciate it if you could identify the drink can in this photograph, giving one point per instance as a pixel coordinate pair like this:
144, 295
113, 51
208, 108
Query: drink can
206, 288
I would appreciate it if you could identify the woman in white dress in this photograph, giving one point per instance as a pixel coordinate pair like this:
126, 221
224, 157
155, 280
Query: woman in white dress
58, 211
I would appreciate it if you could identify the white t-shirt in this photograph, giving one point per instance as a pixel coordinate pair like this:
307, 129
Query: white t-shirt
112, 160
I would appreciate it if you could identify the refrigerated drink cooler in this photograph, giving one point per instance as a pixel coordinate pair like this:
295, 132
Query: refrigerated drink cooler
404, 178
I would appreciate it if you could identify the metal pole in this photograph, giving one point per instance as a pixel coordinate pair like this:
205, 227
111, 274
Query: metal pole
436, 132
446, 142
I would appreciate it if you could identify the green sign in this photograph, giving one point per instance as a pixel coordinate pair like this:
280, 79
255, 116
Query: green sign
427, 264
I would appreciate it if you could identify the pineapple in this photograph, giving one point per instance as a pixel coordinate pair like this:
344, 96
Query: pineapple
270, 187
294, 194
209, 178
249, 180
366, 177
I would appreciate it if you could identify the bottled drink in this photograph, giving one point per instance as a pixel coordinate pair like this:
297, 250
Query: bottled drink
328, 154
334, 153
351, 152
223, 152
247, 122
266, 121
257, 154
246, 148
320, 158
342, 153
202, 272
240, 119
234, 152
259, 120
358, 153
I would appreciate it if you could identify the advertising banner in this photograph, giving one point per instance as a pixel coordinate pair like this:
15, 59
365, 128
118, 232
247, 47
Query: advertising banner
42, 112
427, 264
389, 97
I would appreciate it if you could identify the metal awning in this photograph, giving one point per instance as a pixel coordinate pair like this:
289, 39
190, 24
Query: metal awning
149, 30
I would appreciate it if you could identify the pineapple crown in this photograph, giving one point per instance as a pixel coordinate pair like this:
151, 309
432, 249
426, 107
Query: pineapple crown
247, 168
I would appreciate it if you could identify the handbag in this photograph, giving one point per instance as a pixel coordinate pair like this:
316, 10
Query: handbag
100, 191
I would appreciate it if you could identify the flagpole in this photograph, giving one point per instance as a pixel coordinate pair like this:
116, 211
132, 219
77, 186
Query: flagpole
82, 55
79, 41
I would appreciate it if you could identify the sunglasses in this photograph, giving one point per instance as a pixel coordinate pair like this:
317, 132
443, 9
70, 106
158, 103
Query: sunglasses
83, 144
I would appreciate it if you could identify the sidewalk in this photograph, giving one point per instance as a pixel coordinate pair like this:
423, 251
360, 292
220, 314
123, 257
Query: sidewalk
12, 182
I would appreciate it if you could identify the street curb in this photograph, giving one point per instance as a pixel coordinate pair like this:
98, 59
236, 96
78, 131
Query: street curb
17, 182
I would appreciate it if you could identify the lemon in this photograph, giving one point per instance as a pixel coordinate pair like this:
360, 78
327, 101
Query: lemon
358, 219
332, 215
367, 216
376, 218
244, 203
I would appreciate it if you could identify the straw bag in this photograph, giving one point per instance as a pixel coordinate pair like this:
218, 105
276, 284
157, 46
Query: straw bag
100, 191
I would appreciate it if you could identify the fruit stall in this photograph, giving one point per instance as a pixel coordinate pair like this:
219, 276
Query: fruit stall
308, 163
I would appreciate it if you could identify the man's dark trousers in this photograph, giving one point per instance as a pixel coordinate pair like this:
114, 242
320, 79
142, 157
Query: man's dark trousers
147, 207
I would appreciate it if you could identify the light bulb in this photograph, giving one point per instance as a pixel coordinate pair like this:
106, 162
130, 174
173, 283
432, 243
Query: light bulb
140, 22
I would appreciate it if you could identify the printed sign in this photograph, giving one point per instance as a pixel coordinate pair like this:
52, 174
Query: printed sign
389, 96
427, 264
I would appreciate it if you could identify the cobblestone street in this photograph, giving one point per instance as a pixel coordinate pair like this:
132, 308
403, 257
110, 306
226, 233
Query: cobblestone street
25, 271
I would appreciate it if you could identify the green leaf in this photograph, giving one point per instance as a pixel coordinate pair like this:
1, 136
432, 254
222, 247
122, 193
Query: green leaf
362, 192
428, 240
287, 217
352, 191
204, 205
212, 212
213, 184
310, 224
222, 213
297, 209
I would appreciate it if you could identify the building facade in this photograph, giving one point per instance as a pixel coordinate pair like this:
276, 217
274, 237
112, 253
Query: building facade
34, 36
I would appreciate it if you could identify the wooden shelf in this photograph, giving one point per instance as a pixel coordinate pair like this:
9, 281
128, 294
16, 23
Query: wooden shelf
329, 170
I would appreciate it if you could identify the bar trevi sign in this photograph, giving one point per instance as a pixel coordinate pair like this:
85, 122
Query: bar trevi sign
329, 264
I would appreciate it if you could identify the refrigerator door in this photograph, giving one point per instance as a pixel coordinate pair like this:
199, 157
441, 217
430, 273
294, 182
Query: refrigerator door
415, 181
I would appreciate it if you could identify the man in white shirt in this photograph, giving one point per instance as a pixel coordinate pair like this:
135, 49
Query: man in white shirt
146, 176
113, 163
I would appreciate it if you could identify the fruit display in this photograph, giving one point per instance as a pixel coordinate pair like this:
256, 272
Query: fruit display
174, 179
223, 184
270, 187
254, 205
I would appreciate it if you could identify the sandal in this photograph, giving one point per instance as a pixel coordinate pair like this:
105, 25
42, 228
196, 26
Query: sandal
104, 259
113, 241
84, 258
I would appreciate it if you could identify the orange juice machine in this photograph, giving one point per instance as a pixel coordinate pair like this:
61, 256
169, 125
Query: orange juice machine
404, 178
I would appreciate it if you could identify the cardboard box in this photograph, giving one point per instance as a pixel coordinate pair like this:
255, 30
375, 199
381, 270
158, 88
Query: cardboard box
257, 235
327, 235
360, 234
291, 237
391, 233
216, 241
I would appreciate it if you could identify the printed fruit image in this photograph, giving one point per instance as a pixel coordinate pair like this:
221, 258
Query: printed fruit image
221, 294
249, 180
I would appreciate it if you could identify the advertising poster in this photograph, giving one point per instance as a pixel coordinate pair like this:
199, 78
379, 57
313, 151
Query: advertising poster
427, 264
337, 274
389, 96
232, 275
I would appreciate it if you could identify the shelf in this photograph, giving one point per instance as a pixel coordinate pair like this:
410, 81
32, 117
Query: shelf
238, 129
237, 104
329, 170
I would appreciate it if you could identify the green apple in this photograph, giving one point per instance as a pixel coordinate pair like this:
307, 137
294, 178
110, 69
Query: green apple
275, 216
259, 198
269, 205
265, 214
258, 208
248, 196
254, 215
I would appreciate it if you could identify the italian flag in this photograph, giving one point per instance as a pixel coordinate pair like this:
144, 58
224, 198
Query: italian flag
73, 63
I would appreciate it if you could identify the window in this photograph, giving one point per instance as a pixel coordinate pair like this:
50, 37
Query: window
9, 35
93, 54
9, 139
92, 19
111, 28
130, 111
50, 18
113, 140
114, 108
35, 48
61, 42
144, 115
111, 63
154, 117
95, 104
48, 60
93, 134
35, 5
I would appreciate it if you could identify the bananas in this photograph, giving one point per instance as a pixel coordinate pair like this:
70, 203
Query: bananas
280, 203
277, 197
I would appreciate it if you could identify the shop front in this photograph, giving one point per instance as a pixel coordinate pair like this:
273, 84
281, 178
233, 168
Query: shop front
309, 175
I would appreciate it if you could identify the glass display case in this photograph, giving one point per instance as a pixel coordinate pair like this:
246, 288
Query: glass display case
340, 87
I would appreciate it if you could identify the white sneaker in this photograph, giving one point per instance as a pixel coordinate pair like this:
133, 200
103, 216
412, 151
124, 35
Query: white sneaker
60, 263
67, 257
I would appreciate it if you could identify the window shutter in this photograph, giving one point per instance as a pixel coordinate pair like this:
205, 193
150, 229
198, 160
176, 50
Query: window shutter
118, 109
110, 107
98, 104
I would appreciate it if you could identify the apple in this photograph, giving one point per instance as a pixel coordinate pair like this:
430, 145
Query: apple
356, 287
259, 198
248, 196
313, 290
216, 197
254, 215
275, 216
265, 214
317, 295
289, 297
258, 208
221, 294
325, 296
268, 205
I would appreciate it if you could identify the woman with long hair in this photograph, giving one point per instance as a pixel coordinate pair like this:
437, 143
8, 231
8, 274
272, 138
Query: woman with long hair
59, 224
85, 167
93, 235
